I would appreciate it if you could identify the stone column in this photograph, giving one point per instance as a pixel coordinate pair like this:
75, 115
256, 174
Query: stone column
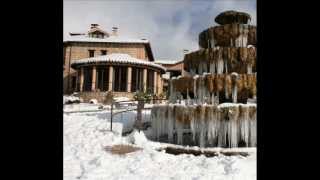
81, 79
160, 85
94, 75
129, 78
155, 84
144, 80
110, 78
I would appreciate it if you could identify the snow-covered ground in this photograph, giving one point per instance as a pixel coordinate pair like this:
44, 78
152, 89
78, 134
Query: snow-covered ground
70, 99
86, 134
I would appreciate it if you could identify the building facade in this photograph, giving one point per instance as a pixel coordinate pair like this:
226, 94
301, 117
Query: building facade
98, 61
173, 69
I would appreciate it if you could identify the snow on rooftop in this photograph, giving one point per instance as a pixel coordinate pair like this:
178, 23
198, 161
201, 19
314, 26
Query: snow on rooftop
167, 61
115, 39
118, 58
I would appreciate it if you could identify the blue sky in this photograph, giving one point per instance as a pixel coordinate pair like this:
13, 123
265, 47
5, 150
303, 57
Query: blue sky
170, 25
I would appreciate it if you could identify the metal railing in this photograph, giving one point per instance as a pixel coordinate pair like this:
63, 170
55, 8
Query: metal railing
139, 107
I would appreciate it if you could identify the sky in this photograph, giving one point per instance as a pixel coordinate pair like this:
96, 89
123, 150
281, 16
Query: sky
170, 25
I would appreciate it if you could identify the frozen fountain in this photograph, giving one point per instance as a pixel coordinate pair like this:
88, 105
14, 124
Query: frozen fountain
209, 107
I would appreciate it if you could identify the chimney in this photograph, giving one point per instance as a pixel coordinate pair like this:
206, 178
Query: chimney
94, 26
114, 31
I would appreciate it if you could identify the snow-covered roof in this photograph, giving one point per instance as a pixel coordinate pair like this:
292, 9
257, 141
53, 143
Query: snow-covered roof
111, 39
167, 61
118, 58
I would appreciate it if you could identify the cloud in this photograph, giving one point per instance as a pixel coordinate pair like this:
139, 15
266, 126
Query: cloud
171, 26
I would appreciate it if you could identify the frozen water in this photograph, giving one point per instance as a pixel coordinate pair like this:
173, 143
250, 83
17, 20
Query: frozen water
212, 68
222, 125
220, 65
249, 68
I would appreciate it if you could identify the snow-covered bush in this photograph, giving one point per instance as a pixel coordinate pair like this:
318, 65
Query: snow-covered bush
93, 101
146, 96
70, 99
108, 98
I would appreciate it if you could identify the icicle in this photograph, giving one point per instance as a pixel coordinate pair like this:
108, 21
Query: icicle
179, 130
158, 121
253, 126
212, 99
234, 94
193, 123
213, 125
246, 30
171, 122
210, 124
188, 97
223, 128
234, 87
154, 121
195, 87
212, 68
220, 64
226, 93
244, 124
204, 67
217, 98
249, 68
245, 40
226, 66
200, 68
212, 42
200, 90
233, 126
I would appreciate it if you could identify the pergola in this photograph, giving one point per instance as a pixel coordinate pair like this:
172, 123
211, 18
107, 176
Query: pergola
119, 73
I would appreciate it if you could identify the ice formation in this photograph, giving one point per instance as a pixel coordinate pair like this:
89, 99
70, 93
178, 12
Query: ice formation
224, 125
223, 71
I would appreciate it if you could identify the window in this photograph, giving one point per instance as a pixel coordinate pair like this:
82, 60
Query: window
91, 53
87, 79
103, 52
120, 79
150, 81
102, 78
137, 79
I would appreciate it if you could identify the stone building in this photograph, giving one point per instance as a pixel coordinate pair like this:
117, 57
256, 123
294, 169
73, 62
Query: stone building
98, 61
173, 69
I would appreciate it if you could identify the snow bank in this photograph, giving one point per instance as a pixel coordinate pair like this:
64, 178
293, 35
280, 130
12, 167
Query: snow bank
85, 135
71, 99
82, 107
93, 101
117, 99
